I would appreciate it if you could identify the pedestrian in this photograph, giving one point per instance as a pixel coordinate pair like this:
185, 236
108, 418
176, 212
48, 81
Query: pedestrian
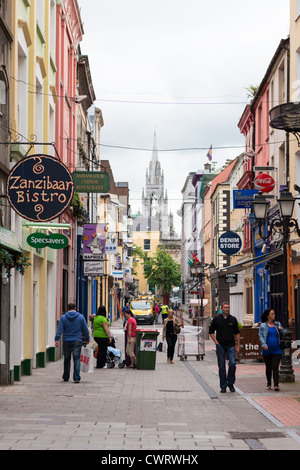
164, 312
74, 328
131, 338
125, 309
157, 310
102, 335
269, 335
169, 333
227, 335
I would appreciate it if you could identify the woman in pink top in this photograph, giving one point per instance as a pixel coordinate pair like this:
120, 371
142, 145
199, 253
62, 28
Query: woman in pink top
131, 338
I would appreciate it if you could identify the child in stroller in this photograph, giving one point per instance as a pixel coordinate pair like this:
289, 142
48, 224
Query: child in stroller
114, 356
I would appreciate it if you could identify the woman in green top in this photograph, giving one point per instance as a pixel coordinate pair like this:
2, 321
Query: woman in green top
102, 335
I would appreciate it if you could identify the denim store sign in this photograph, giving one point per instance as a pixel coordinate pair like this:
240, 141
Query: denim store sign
230, 243
40, 188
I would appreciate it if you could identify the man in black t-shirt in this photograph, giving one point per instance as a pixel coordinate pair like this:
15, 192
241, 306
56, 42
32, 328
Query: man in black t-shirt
227, 334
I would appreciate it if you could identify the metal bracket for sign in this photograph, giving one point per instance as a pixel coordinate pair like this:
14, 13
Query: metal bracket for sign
31, 144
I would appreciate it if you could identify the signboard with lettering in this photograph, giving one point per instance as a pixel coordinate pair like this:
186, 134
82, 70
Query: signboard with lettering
243, 198
40, 188
230, 243
251, 345
41, 240
264, 182
231, 278
93, 268
91, 181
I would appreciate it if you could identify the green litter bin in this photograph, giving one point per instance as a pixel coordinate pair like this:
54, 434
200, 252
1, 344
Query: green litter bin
146, 343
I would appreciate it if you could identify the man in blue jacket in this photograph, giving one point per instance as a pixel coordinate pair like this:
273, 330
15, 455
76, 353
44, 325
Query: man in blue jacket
73, 326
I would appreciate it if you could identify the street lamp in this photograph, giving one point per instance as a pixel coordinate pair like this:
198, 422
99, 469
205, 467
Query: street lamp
286, 225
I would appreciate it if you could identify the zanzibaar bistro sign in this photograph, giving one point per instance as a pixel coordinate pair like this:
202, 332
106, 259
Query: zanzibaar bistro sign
40, 188
230, 243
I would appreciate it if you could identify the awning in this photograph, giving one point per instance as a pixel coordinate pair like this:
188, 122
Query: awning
250, 263
198, 302
9, 240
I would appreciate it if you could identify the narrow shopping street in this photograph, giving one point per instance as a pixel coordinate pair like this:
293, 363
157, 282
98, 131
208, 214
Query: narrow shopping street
175, 407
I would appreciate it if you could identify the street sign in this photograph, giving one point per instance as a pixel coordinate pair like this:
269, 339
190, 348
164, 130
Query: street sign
230, 243
54, 240
91, 181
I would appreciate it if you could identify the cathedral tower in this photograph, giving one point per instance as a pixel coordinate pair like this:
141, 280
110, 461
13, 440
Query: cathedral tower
155, 215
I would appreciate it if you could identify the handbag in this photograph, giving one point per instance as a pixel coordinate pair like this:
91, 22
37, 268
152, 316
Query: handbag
177, 328
159, 347
86, 360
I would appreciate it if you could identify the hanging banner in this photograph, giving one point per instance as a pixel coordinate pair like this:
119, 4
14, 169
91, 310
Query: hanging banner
94, 239
40, 188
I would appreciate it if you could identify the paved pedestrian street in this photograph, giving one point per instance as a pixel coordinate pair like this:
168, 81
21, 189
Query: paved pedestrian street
176, 407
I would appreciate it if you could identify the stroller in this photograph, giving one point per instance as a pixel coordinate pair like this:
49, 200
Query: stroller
114, 356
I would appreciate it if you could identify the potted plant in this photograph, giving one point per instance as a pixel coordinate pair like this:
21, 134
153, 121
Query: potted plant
9, 261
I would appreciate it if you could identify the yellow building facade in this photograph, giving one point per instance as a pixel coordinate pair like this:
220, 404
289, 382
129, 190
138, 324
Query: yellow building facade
32, 98
148, 242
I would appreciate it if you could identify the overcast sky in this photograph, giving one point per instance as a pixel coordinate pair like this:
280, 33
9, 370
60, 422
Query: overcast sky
182, 69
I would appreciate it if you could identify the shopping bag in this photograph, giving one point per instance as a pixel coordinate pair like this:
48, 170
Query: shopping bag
86, 360
159, 347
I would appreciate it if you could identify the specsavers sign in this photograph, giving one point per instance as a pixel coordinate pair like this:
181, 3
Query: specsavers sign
41, 240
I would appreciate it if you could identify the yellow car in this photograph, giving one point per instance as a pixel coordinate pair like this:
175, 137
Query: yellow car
143, 311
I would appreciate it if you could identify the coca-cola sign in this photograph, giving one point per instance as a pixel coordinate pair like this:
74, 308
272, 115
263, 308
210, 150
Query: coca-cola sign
264, 182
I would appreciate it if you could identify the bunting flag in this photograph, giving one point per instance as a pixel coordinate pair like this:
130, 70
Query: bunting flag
195, 258
209, 154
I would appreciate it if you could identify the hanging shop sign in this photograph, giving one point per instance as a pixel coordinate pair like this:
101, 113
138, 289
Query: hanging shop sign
264, 183
94, 240
230, 243
93, 268
231, 278
111, 248
117, 274
243, 198
91, 181
54, 240
40, 188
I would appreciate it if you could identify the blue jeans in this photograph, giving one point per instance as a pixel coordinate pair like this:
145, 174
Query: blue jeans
70, 347
231, 355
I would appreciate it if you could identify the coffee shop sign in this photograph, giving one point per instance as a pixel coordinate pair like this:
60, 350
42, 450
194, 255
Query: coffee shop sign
40, 188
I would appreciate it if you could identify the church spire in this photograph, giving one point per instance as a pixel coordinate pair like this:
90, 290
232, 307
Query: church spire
154, 151
154, 167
